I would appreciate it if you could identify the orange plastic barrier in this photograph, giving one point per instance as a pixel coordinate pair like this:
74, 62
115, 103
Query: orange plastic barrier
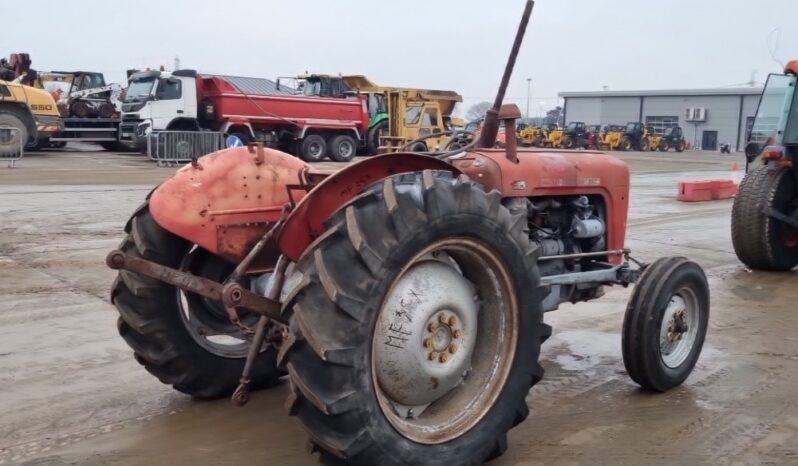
706, 190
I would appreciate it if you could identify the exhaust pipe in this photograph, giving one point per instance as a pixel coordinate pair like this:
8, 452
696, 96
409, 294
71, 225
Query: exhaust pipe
490, 127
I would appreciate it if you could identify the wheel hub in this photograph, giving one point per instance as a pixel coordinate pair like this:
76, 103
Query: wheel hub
425, 335
679, 327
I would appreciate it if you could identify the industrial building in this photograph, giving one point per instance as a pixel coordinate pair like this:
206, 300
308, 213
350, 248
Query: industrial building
708, 117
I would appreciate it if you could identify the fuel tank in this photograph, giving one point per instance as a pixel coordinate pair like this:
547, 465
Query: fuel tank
556, 173
229, 199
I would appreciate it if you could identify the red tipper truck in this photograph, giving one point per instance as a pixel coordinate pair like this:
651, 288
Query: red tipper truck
309, 126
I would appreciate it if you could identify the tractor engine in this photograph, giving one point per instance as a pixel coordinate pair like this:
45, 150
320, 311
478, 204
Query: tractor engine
565, 225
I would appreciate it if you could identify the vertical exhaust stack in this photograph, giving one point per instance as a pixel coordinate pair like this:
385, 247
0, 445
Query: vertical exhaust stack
490, 128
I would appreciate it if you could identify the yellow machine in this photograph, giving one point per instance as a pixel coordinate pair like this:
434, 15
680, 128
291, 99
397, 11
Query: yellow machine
398, 115
413, 113
31, 111
610, 137
554, 138
534, 136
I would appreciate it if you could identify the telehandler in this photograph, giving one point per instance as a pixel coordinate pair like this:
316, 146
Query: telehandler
764, 223
403, 296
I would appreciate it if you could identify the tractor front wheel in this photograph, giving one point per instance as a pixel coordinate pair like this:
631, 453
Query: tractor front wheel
761, 241
568, 143
665, 323
183, 339
416, 327
679, 147
663, 146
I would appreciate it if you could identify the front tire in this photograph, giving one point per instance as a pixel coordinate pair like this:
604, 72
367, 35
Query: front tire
666, 323
12, 142
152, 319
374, 137
760, 241
626, 144
370, 306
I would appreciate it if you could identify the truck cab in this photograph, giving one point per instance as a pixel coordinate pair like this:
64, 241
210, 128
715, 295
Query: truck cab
158, 101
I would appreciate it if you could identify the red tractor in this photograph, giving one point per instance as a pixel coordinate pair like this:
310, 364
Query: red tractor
403, 297
765, 211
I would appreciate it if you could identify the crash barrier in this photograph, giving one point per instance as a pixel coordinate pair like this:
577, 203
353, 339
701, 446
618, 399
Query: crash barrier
12, 147
706, 190
177, 147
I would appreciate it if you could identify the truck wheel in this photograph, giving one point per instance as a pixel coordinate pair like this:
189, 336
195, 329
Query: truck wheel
183, 339
342, 148
11, 142
665, 323
313, 148
374, 136
663, 146
418, 147
760, 241
389, 357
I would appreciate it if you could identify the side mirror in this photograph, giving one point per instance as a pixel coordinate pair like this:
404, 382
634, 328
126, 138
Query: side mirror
752, 151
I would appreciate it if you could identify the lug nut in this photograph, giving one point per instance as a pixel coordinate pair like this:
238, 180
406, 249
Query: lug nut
433, 355
452, 321
458, 333
442, 318
443, 357
432, 326
428, 343
452, 348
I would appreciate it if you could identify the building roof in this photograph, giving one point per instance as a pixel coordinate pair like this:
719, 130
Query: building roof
667, 92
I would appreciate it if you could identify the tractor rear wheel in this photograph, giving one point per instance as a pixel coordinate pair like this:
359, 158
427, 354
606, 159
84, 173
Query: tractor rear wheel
390, 359
626, 144
374, 135
183, 339
760, 241
665, 323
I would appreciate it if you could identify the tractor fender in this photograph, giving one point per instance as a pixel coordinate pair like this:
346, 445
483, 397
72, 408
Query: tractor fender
306, 222
229, 199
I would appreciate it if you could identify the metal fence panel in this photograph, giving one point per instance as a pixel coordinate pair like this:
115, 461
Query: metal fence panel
12, 147
176, 147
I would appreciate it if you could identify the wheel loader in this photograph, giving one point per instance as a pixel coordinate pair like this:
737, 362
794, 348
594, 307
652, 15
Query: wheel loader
402, 297
610, 136
671, 138
31, 112
764, 223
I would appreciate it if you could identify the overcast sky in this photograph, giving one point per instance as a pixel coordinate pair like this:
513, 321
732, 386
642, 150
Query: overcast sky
571, 45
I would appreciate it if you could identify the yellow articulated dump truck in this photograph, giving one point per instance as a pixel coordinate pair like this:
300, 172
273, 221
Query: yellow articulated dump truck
31, 111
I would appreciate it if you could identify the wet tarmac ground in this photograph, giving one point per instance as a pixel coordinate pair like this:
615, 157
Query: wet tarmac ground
71, 393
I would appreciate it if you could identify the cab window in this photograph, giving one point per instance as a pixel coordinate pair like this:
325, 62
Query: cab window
430, 119
169, 89
412, 115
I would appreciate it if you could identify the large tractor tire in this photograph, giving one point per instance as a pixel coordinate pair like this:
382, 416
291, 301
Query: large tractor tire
644, 146
183, 339
626, 144
760, 241
679, 146
390, 359
12, 141
663, 146
568, 143
373, 137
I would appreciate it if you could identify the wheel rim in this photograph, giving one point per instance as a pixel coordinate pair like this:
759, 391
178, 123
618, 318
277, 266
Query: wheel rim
345, 149
314, 150
205, 319
438, 369
679, 328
